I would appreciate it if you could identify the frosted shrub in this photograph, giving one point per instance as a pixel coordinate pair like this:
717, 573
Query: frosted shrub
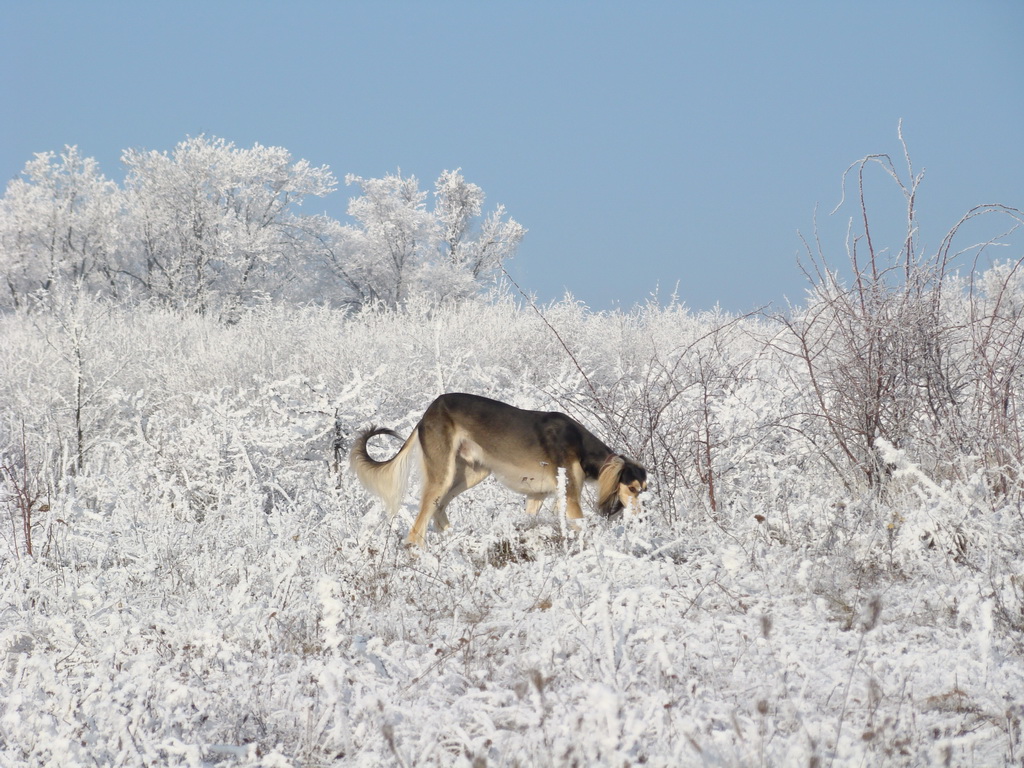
212, 586
918, 349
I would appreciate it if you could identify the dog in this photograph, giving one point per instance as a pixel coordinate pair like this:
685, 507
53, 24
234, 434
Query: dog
462, 439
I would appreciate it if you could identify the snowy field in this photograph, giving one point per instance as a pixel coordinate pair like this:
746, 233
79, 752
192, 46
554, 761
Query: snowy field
208, 586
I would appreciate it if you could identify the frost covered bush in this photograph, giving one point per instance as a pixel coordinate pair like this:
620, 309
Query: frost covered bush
210, 586
920, 349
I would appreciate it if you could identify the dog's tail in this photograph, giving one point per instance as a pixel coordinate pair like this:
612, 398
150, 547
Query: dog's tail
386, 479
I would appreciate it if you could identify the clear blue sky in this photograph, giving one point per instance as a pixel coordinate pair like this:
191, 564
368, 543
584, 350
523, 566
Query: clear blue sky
643, 144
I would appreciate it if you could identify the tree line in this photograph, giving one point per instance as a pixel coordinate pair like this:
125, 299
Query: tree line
210, 227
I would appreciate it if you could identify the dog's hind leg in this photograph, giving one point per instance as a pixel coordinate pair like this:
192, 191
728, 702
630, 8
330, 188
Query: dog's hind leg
446, 474
466, 476
437, 484
438, 492
435, 488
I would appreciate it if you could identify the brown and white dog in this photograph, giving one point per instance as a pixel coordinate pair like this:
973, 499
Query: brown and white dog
462, 439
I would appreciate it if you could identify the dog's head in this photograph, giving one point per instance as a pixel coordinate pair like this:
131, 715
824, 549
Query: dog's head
619, 486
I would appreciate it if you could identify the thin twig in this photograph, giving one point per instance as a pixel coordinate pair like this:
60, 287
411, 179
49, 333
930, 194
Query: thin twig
533, 304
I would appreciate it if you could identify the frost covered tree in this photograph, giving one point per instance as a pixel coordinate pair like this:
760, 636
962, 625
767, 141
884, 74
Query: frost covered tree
57, 224
377, 256
457, 204
212, 223
398, 249
210, 226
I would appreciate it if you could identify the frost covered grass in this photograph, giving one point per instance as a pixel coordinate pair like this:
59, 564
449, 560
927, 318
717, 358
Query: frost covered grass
209, 586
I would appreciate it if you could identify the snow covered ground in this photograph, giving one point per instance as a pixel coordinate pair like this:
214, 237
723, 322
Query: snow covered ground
209, 586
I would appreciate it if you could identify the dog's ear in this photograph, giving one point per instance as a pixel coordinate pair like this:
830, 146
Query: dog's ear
608, 485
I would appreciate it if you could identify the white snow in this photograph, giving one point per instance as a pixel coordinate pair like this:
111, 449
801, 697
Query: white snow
212, 589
